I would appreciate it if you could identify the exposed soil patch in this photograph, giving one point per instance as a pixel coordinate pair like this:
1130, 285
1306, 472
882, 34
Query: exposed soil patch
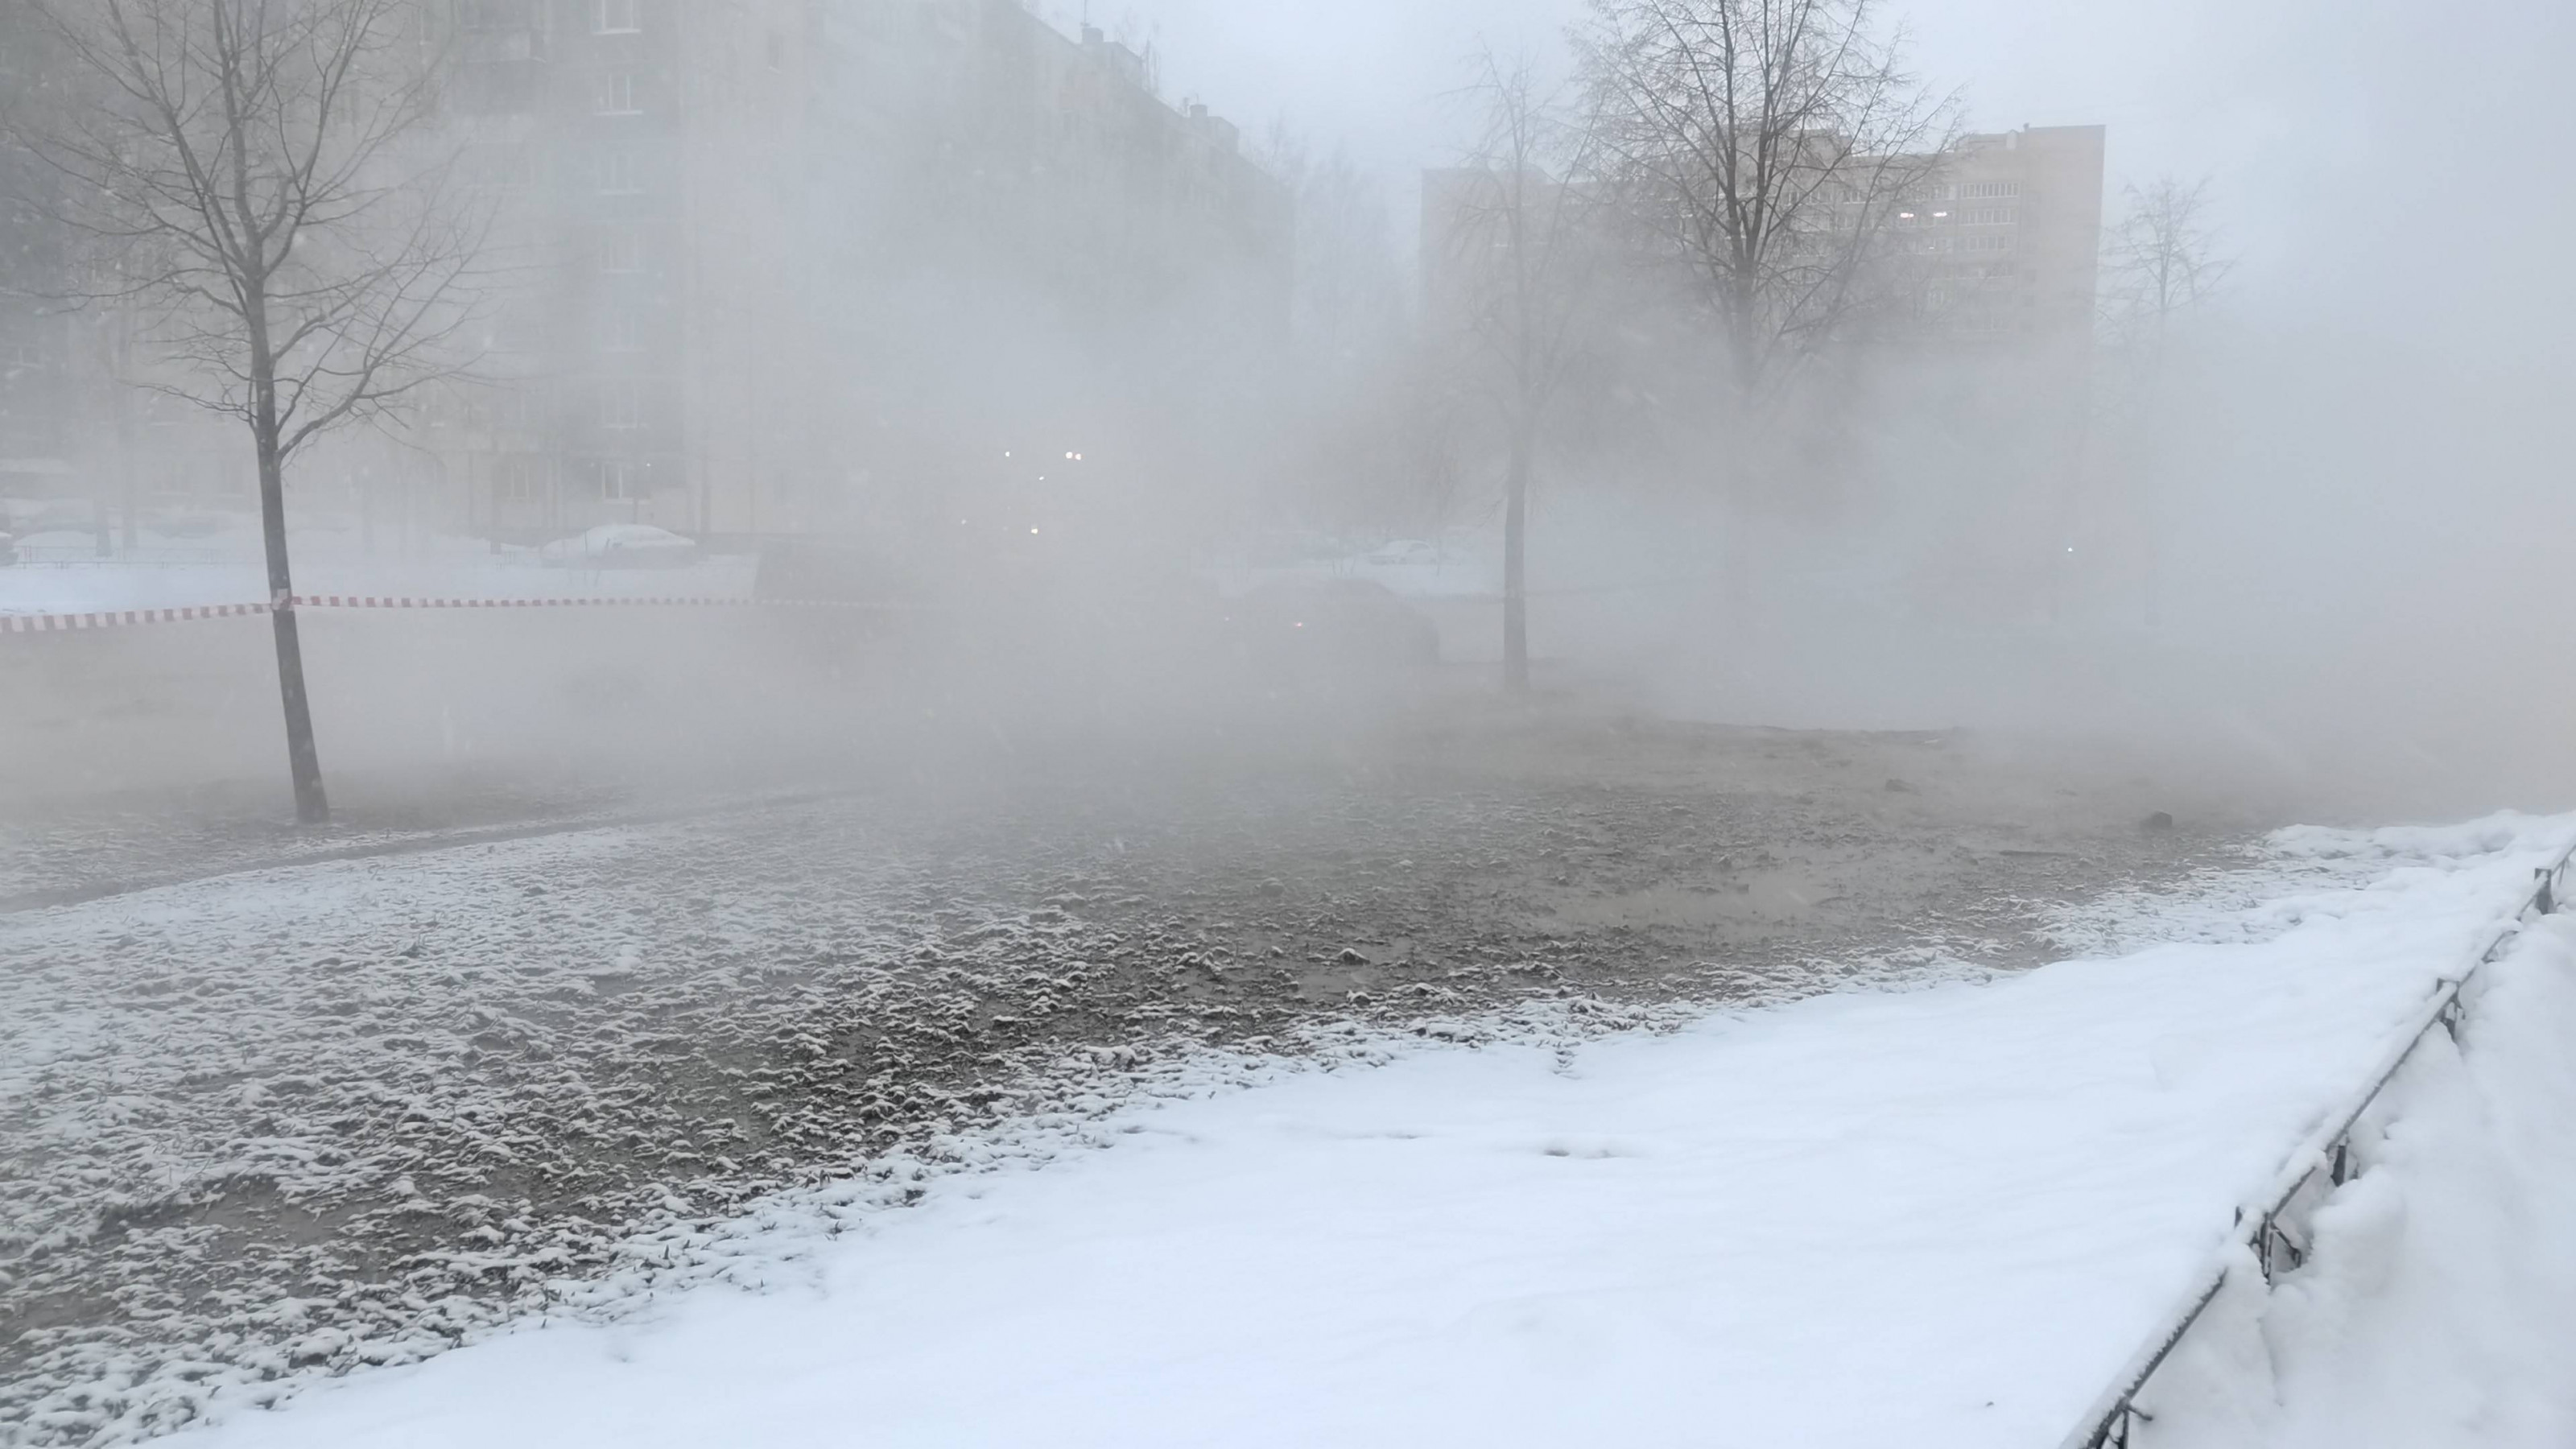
344, 1111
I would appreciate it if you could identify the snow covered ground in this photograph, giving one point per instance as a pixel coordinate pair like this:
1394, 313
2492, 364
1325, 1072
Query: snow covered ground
1946, 1215
2440, 1309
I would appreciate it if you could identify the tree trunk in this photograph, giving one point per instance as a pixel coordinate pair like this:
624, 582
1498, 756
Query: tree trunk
132, 488
1516, 669
129, 477
303, 759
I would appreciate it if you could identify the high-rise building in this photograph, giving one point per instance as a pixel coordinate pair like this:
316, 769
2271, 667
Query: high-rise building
2007, 234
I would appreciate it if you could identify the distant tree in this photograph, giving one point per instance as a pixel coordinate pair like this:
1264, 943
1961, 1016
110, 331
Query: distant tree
1523, 270
2163, 264
1350, 290
1766, 147
2162, 259
252, 180
34, 261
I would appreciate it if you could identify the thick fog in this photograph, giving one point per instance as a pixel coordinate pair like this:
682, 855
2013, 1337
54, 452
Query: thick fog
652, 647
2361, 535
2340, 568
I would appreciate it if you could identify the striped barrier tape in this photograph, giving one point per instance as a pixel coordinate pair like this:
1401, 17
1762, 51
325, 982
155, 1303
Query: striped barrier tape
123, 618
127, 618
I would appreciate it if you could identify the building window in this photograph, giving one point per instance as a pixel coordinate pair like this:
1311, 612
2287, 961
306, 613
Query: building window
617, 480
621, 332
498, 164
496, 88
1988, 190
487, 15
621, 251
621, 406
615, 17
621, 93
519, 481
1990, 216
1986, 244
621, 172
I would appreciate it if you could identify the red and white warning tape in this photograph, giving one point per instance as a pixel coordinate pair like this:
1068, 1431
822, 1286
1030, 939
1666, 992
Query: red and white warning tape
126, 618
63, 623
357, 601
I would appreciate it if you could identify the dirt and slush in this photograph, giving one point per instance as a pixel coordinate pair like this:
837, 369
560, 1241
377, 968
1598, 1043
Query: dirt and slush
275, 1105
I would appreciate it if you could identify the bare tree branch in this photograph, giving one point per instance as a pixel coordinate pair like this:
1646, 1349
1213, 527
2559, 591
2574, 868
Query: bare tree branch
1764, 146
257, 185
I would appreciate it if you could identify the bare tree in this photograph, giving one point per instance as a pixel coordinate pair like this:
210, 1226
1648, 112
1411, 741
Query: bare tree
2163, 263
1766, 146
1349, 292
2162, 258
1518, 228
252, 178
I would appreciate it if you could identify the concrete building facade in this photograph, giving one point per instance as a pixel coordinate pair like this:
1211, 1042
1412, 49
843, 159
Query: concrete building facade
2007, 236
756, 253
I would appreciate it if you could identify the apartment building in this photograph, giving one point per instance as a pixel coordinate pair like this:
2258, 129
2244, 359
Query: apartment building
1999, 242
36, 338
2006, 237
768, 258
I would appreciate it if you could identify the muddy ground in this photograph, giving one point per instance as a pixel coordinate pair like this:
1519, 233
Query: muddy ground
272, 1103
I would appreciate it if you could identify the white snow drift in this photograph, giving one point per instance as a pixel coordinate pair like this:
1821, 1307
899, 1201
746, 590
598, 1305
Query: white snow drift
1945, 1216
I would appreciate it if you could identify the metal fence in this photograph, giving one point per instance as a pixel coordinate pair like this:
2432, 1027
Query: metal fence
2277, 1228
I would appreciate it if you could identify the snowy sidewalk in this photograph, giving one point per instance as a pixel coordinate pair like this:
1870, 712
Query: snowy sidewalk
1947, 1215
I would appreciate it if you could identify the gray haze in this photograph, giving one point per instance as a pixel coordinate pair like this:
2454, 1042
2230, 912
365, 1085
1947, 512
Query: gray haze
862, 572
2372, 543
2362, 538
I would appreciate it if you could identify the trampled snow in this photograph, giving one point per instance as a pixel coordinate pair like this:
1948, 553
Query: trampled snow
1947, 1215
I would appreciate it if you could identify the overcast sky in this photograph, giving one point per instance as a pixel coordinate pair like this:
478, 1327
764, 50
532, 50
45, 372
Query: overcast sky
2297, 108
1368, 73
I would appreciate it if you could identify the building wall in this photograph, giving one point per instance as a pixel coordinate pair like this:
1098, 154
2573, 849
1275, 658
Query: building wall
37, 340
2009, 235
747, 237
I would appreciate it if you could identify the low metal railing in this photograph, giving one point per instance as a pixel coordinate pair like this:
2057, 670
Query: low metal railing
2277, 1229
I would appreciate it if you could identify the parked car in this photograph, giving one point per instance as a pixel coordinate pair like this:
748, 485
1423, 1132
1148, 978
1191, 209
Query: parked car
1406, 553
1335, 623
621, 546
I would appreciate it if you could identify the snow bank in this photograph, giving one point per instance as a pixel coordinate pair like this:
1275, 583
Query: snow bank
1948, 1216
227, 568
2439, 1309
